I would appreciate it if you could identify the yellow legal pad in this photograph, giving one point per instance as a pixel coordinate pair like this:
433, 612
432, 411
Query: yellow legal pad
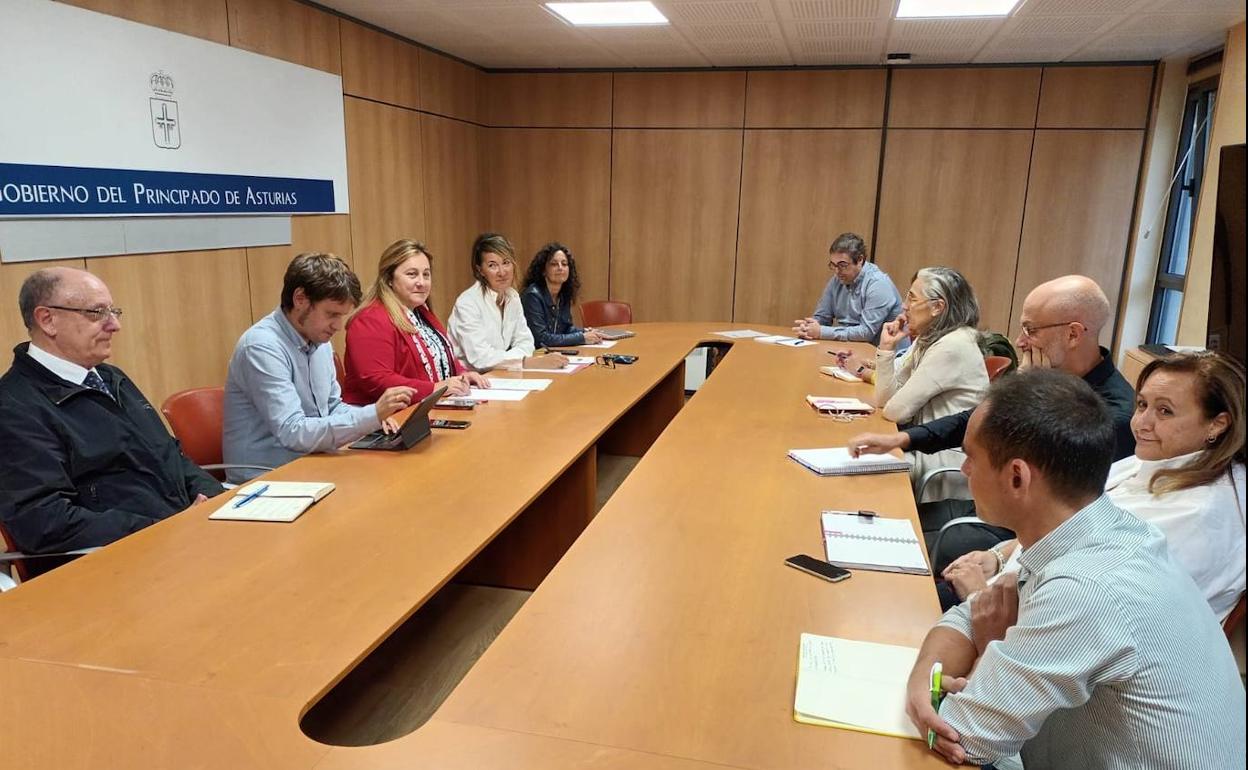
854, 685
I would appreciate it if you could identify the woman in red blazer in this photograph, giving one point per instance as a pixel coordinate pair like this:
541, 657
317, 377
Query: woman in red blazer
394, 338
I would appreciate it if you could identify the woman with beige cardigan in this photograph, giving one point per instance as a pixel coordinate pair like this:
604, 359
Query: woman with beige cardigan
944, 372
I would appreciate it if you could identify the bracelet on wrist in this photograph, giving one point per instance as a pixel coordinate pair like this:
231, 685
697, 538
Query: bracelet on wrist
996, 551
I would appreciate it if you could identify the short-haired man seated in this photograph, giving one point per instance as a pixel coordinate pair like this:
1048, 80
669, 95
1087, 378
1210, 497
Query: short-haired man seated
86, 458
1101, 652
282, 398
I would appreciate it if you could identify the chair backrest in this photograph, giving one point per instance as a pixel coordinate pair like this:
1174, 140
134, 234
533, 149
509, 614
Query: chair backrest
995, 366
606, 313
197, 417
1236, 616
340, 370
18, 574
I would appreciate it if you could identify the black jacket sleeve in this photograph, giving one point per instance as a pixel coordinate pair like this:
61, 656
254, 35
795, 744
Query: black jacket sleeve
39, 508
939, 434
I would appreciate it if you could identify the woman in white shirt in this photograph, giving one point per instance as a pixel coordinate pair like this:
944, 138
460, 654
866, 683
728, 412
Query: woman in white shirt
944, 374
487, 323
1186, 477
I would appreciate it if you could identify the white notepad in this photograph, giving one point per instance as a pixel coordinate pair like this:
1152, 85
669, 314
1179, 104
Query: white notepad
603, 344
497, 394
836, 461
517, 384
783, 341
854, 685
839, 405
840, 374
739, 334
872, 543
280, 501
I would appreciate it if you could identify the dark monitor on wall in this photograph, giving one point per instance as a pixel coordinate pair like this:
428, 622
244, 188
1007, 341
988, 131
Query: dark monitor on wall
1227, 295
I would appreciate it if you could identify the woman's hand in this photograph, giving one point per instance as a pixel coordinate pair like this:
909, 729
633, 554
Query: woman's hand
894, 332
592, 337
476, 379
548, 361
455, 386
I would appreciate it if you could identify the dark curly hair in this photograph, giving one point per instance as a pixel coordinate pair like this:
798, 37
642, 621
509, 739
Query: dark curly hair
537, 271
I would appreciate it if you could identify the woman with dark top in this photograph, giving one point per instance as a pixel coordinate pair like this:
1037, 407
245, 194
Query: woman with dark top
394, 338
550, 291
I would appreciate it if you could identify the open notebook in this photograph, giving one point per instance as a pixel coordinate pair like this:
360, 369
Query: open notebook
854, 685
280, 501
836, 461
876, 543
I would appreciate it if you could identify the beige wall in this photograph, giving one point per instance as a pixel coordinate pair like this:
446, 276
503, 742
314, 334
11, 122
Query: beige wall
1228, 128
692, 195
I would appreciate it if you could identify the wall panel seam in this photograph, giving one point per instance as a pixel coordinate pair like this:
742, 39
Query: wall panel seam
879, 174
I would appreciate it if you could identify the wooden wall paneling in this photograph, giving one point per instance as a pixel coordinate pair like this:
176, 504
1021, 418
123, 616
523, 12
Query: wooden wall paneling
184, 313
384, 163
1079, 204
455, 204
674, 197
553, 184
955, 198
1095, 97
547, 100
815, 99
198, 18
266, 265
679, 99
448, 87
287, 29
12, 330
379, 67
962, 97
799, 190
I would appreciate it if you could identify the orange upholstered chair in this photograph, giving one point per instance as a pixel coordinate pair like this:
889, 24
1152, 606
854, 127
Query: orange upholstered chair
995, 366
606, 313
197, 417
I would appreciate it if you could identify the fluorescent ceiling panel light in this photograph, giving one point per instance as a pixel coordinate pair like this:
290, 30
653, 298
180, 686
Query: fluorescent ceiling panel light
608, 14
928, 9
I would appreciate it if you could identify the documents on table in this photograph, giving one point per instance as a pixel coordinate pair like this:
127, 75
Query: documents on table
839, 405
854, 685
272, 500
509, 384
497, 394
603, 344
575, 364
788, 342
836, 461
840, 374
739, 334
872, 543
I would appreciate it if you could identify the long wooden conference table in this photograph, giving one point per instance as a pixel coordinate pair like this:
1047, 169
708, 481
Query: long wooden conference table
665, 637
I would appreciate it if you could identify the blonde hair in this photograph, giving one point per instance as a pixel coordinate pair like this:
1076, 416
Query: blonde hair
381, 291
1219, 389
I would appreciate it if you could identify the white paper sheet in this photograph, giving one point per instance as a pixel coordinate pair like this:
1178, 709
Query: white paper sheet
503, 383
497, 394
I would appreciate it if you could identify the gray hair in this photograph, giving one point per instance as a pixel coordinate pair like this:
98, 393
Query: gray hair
961, 308
38, 289
851, 244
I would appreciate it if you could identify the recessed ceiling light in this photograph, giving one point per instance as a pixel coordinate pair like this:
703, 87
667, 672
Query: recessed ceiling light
608, 14
926, 9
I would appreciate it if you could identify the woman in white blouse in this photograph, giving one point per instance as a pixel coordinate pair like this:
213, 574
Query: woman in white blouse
944, 372
1186, 477
487, 323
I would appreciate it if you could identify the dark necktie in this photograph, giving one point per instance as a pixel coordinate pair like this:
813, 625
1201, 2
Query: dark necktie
95, 382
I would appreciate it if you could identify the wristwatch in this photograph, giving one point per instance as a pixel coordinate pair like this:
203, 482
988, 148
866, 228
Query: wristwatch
996, 551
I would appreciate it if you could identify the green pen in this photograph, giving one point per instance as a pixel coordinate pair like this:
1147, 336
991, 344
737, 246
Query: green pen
936, 675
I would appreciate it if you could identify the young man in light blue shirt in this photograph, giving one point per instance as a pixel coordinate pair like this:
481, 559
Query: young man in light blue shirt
857, 301
282, 398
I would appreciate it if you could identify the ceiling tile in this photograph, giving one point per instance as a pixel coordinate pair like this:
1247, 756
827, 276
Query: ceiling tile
707, 12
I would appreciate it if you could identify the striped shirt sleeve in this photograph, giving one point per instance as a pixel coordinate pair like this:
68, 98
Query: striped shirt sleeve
1073, 638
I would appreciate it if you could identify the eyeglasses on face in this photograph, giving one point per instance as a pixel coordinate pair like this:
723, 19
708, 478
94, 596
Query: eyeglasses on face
96, 314
839, 267
1030, 331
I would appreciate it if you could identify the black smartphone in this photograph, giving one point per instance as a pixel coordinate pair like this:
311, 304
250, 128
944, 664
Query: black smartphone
451, 424
620, 358
817, 567
456, 402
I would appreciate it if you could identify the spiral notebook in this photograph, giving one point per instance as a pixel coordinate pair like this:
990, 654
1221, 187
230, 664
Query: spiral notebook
836, 461
883, 545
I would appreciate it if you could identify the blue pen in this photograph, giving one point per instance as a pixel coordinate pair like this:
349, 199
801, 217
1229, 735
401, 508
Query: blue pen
252, 496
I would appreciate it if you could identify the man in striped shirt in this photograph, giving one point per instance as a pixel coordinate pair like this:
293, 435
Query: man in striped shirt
1103, 653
